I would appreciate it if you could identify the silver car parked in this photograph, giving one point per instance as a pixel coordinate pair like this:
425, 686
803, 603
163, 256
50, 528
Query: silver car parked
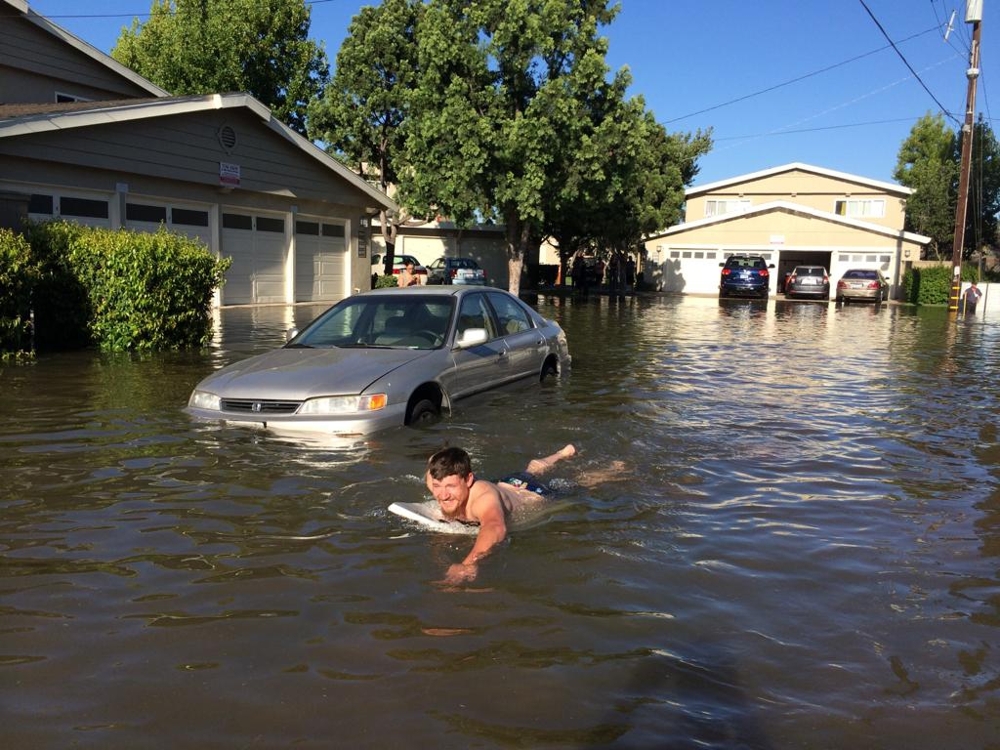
385, 358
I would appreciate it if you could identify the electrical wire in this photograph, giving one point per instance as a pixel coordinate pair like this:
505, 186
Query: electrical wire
796, 79
907, 63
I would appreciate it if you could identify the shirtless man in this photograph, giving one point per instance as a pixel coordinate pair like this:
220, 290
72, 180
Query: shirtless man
463, 497
408, 276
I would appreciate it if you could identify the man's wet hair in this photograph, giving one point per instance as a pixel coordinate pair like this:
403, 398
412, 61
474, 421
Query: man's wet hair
448, 462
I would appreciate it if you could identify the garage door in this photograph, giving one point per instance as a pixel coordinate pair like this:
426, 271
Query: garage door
256, 243
320, 262
149, 217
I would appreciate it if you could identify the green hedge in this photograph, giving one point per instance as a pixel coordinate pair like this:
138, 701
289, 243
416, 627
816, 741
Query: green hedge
932, 285
18, 276
121, 290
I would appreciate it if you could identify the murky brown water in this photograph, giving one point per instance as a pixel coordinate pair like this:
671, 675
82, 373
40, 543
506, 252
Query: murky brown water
805, 554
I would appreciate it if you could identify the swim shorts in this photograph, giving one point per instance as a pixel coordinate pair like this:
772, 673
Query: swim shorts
525, 481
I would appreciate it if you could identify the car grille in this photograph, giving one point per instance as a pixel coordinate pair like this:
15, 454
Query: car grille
250, 406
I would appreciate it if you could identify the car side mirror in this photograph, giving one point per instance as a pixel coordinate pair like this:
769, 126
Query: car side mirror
722, 264
472, 337
771, 266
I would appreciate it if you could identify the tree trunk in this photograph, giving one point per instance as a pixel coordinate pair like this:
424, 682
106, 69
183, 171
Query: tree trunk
518, 235
389, 232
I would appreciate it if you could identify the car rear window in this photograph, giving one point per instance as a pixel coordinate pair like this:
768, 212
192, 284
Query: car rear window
810, 271
858, 274
747, 262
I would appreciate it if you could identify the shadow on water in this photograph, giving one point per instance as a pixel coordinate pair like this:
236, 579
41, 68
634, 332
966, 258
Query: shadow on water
803, 552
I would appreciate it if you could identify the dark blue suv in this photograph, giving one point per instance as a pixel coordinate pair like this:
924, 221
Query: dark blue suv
745, 276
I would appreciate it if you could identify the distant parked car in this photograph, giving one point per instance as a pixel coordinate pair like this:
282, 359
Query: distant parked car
455, 271
745, 275
385, 358
808, 281
865, 284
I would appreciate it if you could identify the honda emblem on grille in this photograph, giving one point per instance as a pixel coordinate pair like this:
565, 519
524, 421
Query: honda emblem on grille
256, 407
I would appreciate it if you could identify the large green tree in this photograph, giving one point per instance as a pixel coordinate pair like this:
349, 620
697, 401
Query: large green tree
496, 89
361, 115
928, 162
209, 46
981, 228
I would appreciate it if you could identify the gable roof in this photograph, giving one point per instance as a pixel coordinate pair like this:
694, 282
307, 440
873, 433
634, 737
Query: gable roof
888, 187
21, 7
26, 119
797, 209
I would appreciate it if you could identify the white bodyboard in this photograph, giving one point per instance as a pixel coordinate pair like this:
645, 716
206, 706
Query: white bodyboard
428, 515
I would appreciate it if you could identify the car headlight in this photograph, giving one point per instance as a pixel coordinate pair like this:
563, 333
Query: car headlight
344, 404
205, 400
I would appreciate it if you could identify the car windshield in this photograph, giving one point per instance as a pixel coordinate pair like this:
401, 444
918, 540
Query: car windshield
382, 321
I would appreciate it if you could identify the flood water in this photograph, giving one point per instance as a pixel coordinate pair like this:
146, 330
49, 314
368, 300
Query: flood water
804, 551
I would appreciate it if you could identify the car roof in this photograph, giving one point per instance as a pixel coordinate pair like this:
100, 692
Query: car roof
427, 291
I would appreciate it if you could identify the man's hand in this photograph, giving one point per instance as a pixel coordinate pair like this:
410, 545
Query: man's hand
460, 573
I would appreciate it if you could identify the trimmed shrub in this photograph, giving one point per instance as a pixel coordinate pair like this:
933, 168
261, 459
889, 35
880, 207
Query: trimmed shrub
385, 281
132, 290
932, 285
18, 276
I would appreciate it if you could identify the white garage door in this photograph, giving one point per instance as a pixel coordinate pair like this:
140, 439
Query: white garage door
320, 261
93, 212
257, 245
149, 217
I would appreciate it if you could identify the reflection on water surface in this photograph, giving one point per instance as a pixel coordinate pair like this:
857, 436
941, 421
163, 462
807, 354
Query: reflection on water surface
803, 552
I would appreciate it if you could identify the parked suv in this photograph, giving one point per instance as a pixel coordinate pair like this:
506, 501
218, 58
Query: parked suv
808, 281
455, 271
745, 275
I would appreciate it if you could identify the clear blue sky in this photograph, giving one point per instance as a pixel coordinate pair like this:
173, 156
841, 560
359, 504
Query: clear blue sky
779, 81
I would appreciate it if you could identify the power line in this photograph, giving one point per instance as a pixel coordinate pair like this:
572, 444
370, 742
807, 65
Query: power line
797, 79
907, 63
817, 129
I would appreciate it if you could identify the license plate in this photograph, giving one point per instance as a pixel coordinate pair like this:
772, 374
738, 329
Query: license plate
809, 280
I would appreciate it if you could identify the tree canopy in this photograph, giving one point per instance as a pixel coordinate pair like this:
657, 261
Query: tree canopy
928, 162
210, 46
361, 114
514, 120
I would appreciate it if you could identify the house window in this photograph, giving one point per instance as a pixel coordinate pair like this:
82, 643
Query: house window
145, 213
861, 209
62, 98
83, 207
720, 207
41, 204
267, 224
189, 217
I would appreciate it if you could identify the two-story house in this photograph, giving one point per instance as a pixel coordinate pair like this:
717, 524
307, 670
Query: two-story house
793, 214
86, 139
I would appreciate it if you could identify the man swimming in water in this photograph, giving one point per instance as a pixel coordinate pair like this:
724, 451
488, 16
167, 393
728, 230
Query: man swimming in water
463, 497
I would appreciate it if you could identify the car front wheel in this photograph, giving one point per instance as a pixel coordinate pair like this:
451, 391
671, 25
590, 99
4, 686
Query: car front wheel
422, 412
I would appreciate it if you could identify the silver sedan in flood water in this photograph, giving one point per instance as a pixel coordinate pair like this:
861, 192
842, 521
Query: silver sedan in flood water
386, 358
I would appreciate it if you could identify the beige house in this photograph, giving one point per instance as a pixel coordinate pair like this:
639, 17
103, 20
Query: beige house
794, 214
83, 138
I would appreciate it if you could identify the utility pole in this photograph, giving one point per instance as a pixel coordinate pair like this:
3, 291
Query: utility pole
973, 15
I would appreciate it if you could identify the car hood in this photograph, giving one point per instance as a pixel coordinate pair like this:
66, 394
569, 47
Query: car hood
297, 374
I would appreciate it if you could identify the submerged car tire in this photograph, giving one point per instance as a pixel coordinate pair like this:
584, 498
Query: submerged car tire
423, 412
